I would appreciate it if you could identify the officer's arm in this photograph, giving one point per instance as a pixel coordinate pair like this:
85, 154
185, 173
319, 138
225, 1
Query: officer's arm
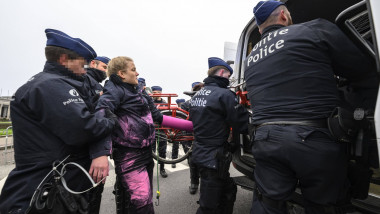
110, 99
236, 114
100, 150
107, 104
62, 111
186, 105
347, 60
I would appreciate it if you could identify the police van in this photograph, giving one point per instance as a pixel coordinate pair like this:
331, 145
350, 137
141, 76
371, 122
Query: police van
360, 21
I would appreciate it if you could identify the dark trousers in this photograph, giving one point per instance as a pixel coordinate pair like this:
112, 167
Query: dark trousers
194, 170
161, 147
290, 155
185, 145
217, 196
95, 197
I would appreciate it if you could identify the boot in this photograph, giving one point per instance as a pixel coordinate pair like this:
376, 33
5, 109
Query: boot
193, 188
162, 171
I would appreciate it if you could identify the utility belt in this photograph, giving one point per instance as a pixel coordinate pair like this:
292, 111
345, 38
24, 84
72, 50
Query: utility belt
313, 123
343, 124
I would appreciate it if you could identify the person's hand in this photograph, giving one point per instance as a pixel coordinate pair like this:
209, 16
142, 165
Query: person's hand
99, 168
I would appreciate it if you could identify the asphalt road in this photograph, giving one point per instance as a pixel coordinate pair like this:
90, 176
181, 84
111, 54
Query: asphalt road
175, 197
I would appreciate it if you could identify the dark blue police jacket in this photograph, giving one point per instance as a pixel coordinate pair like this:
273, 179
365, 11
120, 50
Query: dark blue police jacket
92, 82
51, 121
96, 75
213, 111
186, 105
290, 72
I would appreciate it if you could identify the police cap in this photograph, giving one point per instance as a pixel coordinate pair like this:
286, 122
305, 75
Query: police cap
103, 59
60, 39
215, 61
141, 81
263, 9
156, 88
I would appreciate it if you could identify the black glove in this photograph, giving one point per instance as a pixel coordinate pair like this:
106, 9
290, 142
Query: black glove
113, 117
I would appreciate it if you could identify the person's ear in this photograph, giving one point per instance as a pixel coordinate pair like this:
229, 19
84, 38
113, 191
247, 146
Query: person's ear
121, 74
283, 16
63, 59
92, 63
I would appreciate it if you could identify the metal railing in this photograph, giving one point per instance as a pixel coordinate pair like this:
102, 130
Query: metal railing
7, 148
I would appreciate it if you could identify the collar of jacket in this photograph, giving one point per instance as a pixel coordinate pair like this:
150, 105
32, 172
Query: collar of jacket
97, 74
269, 29
116, 79
216, 80
56, 68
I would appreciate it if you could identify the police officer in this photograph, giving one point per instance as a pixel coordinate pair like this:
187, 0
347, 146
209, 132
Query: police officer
194, 171
214, 110
51, 121
176, 144
290, 81
100, 63
162, 143
179, 102
142, 85
175, 147
96, 73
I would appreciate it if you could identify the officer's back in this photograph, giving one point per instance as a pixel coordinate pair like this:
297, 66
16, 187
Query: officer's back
208, 113
213, 110
290, 72
290, 78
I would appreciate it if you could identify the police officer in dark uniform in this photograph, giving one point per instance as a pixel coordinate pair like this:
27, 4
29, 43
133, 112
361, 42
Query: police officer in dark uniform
96, 73
194, 171
185, 144
51, 121
214, 110
142, 83
290, 81
179, 102
162, 143
96, 65
175, 147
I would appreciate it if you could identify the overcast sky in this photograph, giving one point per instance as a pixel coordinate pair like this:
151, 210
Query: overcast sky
169, 40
